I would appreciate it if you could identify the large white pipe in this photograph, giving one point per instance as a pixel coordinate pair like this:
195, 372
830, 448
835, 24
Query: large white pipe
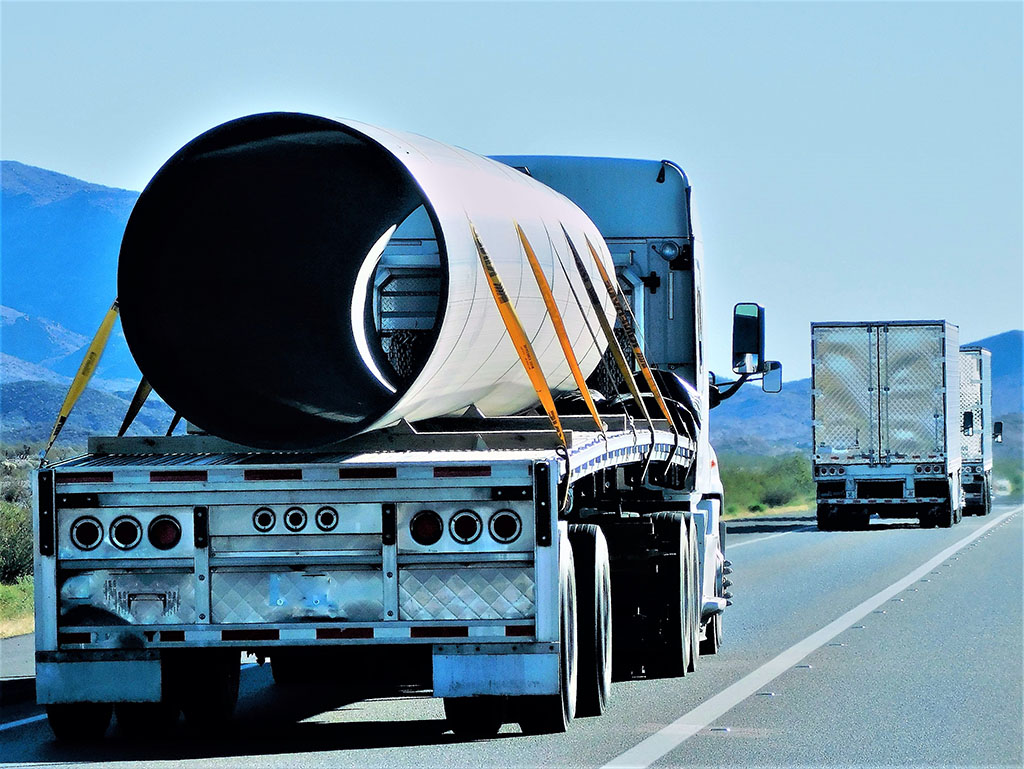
249, 259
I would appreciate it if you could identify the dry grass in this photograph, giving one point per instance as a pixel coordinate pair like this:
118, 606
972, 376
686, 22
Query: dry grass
16, 608
19, 626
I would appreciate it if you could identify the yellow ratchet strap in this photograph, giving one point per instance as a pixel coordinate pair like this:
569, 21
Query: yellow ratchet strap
518, 336
138, 401
556, 320
85, 372
626, 319
613, 343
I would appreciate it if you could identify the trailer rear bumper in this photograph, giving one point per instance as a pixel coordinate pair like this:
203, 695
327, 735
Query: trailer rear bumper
99, 680
462, 670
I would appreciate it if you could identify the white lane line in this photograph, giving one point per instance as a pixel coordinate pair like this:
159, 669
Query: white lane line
683, 728
22, 722
731, 547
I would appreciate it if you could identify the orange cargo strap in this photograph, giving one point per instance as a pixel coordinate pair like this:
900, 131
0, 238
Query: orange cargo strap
613, 343
138, 401
518, 336
85, 372
559, 324
626, 319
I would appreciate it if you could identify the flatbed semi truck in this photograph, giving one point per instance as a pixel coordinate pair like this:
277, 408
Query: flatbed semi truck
366, 486
885, 419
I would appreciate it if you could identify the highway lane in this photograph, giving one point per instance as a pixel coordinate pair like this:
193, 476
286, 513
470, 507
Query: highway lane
935, 679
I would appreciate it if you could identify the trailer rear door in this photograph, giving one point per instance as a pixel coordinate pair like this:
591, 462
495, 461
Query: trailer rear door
845, 393
911, 378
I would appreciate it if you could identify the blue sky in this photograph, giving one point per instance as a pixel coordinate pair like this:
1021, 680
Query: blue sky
850, 161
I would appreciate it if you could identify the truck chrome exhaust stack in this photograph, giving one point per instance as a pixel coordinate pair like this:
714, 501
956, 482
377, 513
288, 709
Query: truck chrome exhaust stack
248, 269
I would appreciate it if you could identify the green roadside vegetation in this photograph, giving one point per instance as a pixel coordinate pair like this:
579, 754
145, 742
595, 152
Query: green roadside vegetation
766, 485
16, 466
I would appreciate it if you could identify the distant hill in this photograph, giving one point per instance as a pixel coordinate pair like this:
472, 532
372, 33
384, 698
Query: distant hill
60, 238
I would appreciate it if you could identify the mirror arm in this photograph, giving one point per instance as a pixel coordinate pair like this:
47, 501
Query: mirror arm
733, 387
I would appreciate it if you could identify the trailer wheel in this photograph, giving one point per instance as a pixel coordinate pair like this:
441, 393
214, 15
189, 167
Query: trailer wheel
826, 519
696, 598
143, 720
475, 717
211, 690
552, 713
672, 598
79, 721
594, 616
986, 501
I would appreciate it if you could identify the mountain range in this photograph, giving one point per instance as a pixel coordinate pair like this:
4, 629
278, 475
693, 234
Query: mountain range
59, 242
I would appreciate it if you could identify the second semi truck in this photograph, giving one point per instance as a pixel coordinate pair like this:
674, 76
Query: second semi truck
885, 400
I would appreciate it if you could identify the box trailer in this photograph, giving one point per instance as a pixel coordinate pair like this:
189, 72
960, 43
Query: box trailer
885, 421
976, 428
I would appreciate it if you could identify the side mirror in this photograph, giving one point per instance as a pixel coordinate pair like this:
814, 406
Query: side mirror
997, 432
747, 338
968, 426
771, 382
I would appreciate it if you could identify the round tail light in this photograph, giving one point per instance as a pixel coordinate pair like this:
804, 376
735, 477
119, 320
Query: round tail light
426, 527
264, 519
466, 527
505, 526
86, 533
125, 533
164, 532
295, 519
326, 518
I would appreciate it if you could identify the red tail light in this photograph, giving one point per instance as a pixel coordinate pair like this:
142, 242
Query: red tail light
426, 527
164, 532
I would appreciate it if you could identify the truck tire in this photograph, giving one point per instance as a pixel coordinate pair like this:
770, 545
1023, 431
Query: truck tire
696, 598
211, 690
594, 617
986, 500
79, 721
474, 717
672, 611
146, 720
826, 518
552, 713
290, 669
945, 516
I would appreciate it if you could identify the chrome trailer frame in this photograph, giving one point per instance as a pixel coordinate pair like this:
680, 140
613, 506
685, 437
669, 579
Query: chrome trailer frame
108, 620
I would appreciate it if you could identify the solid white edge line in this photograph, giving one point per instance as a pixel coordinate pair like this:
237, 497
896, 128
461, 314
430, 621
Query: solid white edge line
730, 548
675, 734
22, 722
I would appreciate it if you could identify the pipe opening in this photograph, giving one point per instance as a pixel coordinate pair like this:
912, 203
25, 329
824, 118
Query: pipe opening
253, 293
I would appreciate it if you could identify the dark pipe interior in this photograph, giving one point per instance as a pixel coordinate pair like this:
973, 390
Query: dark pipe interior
236, 274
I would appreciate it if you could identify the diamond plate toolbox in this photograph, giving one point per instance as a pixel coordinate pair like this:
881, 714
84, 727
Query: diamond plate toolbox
241, 595
466, 593
111, 596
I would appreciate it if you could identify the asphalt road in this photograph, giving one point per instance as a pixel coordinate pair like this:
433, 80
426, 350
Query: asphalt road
895, 646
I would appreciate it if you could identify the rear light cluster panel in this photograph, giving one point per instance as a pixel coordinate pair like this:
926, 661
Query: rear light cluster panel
470, 527
125, 533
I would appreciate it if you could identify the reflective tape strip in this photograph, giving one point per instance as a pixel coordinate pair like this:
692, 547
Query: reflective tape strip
629, 326
85, 372
518, 336
556, 320
613, 343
